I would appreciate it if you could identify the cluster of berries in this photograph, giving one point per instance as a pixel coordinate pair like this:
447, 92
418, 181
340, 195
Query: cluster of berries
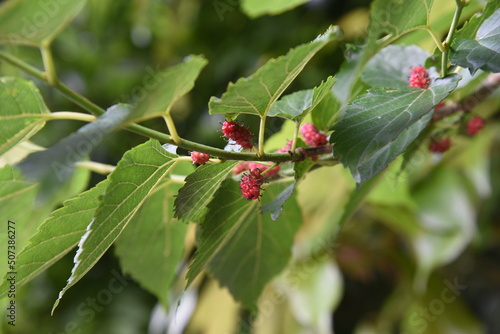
473, 126
312, 136
244, 166
250, 184
440, 146
419, 77
240, 134
199, 158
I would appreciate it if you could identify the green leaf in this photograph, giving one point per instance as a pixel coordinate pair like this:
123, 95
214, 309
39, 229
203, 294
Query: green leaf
441, 308
256, 8
300, 168
374, 120
380, 159
483, 52
166, 87
394, 18
297, 105
17, 199
470, 28
311, 304
276, 205
57, 235
242, 248
394, 190
200, 187
55, 169
137, 174
151, 247
356, 198
448, 217
256, 94
390, 68
22, 111
35, 22
326, 112
389, 20
348, 74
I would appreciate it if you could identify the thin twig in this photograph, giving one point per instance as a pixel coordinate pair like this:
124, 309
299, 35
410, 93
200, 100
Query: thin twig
490, 84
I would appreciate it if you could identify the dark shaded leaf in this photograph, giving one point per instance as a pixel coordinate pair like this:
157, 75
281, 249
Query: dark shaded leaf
375, 120
483, 52
276, 205
243, 249
200, 187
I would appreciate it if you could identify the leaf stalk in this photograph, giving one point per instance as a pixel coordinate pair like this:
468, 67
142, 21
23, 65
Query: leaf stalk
449, 39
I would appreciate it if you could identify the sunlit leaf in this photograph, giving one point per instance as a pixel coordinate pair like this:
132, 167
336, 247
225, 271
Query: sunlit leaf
256, 8
22, 111
17, 198
151, 247
297, 105
55, 168
395, 17
58, 235
166, 87
35, 22
137, 174
257, 93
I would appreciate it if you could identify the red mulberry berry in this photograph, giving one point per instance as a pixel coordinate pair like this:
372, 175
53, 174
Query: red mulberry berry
440, 105
240, 134
199, 158
419, 77
285, 149
240, 168
475, 125
270, 172
312, 136
250, 184
440, 146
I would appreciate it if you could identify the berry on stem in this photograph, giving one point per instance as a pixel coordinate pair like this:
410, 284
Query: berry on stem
312, 136
440, 146
250, 184
240, 168
440, 106
475, 125
240, 134
269, 172
285, 149
199, 158
419, 77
